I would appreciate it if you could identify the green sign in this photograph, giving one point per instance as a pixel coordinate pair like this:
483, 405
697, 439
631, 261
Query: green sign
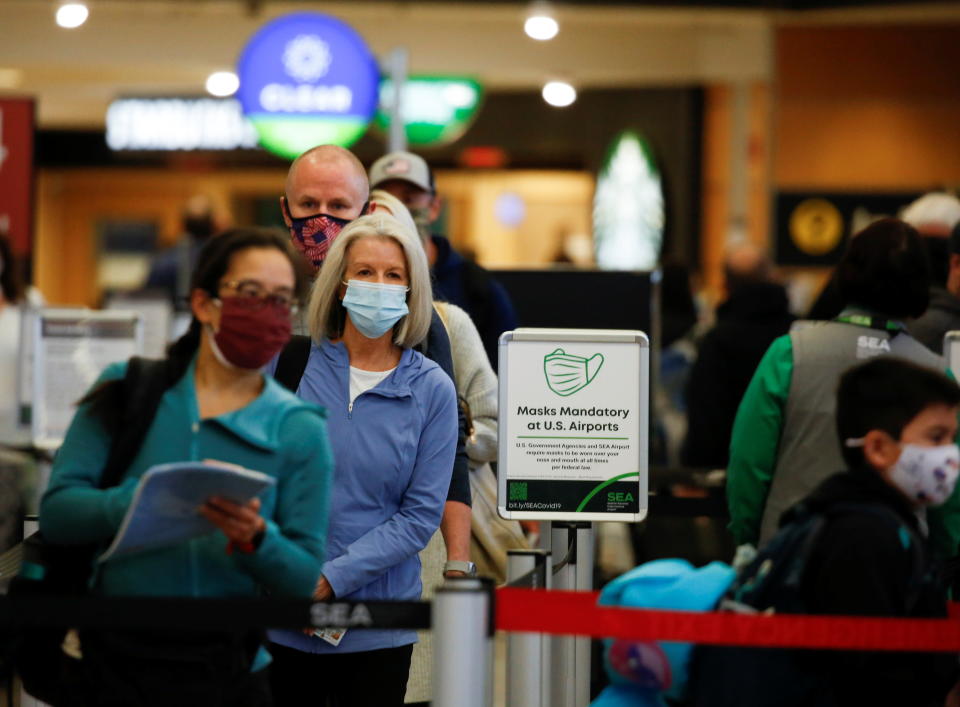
435, 109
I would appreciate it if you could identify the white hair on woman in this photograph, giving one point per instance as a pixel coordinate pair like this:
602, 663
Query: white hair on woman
325, 312
381, 200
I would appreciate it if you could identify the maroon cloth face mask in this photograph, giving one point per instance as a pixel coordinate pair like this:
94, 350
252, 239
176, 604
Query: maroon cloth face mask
251, 331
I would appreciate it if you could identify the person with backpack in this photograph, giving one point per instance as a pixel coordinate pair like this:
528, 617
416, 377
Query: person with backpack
856, 546
457, 279
207, 401
490, 535
784, 442
394, 429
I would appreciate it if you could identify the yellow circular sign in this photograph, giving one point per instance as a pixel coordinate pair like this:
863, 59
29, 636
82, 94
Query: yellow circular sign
816, 226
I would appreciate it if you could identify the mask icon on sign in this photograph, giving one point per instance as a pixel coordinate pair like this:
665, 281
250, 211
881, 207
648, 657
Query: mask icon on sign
566, 374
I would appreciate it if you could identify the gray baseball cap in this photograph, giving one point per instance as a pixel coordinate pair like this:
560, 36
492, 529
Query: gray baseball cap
405, 166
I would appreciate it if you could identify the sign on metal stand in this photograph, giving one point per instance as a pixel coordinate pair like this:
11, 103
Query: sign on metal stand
573, 425
574, 436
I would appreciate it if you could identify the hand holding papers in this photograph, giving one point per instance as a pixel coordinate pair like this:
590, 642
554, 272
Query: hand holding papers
164, 510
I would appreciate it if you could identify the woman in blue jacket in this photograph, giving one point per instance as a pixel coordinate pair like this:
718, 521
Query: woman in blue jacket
218, 406
392, 418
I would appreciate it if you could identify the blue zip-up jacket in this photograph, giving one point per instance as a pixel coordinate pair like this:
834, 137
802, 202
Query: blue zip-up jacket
393, 451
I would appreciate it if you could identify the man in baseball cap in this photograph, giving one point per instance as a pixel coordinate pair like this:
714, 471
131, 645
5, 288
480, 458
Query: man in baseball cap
458, 280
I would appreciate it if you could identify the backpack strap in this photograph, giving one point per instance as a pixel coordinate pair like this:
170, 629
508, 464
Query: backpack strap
477, 283
143, 386
293, 362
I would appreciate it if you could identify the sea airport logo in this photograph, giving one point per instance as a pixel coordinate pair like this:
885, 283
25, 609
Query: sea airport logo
307, 58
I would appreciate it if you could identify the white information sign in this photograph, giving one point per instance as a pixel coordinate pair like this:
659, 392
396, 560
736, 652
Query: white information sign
157, 314
574, 424
71, 349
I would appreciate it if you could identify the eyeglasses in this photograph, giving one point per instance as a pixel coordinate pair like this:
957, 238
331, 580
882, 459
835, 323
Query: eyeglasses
253, 290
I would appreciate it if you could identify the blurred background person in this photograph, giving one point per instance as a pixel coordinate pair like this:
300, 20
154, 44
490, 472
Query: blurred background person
755, 312
14, 298
491, 536
457, 279
784, 440
933, 215
217, 405
678, 334
171, 269
17, 483
393, 425
936, 216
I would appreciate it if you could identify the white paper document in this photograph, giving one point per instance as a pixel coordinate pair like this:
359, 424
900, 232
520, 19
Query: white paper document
165, 506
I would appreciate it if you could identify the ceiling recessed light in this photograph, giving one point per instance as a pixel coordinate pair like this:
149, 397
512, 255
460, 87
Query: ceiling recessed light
71, 15
559, 93
541, 27
222, 83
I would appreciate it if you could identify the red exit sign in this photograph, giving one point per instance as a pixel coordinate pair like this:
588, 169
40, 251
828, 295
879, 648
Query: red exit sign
16, 171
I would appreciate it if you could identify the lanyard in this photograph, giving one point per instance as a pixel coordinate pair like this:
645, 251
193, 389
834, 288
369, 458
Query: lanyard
873, 322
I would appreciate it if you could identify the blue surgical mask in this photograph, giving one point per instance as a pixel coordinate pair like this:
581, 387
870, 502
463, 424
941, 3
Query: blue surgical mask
374, 307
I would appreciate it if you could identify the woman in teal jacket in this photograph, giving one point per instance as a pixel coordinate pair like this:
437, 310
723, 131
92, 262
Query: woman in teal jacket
221, 407
393, 426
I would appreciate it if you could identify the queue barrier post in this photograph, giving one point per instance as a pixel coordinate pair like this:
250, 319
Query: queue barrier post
462, 643
528, 654
573, 555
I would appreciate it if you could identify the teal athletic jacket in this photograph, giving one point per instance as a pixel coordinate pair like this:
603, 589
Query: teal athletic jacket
276, 434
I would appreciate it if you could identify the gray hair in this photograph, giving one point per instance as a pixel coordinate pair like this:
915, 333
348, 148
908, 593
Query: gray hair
325, 313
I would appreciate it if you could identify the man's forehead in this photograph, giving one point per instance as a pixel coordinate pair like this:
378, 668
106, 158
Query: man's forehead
327, 175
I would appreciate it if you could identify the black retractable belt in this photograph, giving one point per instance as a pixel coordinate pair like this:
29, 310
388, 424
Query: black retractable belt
208, 614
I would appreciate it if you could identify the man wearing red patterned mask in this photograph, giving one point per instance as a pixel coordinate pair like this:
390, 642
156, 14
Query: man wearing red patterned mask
326, 189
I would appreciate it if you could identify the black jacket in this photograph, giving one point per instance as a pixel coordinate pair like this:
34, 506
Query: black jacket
942, 315
747, 323
863, 565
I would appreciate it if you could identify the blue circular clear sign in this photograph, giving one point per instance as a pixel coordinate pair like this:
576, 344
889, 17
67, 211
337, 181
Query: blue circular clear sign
307, 79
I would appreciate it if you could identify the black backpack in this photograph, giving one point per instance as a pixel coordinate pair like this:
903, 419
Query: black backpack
773, 579
735, 676
50, 570
293, 362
